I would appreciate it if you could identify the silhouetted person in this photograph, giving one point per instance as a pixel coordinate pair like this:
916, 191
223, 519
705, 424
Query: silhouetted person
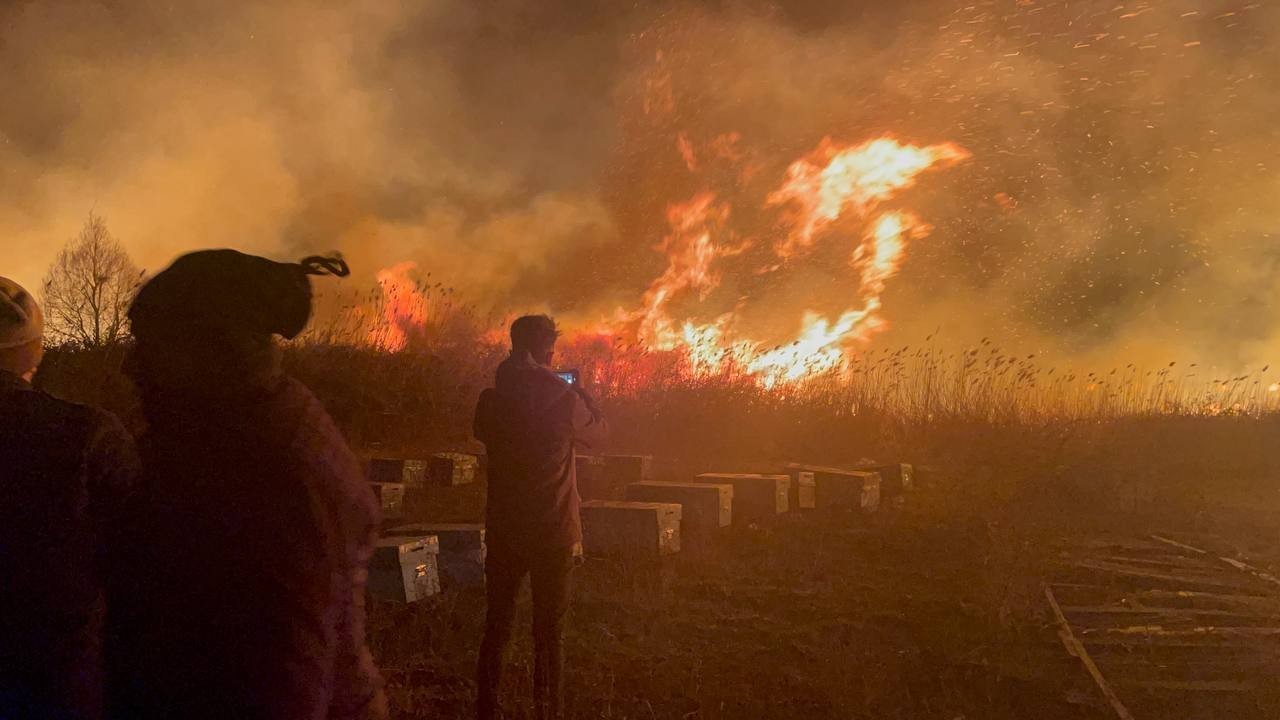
529, 423
243, 596
65, 469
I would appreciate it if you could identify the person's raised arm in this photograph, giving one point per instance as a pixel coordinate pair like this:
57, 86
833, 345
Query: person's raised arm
590, 428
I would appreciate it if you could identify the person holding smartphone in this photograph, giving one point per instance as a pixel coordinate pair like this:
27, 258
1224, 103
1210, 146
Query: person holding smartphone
531, 422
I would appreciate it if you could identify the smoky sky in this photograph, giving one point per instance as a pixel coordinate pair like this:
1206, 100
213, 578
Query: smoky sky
1121, 201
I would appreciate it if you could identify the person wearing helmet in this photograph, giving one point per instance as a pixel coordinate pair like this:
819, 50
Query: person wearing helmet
66, 470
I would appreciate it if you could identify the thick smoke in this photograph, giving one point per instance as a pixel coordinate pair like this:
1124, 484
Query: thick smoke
1119, 205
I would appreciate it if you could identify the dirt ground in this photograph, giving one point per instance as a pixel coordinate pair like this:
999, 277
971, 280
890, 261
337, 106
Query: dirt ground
913, 612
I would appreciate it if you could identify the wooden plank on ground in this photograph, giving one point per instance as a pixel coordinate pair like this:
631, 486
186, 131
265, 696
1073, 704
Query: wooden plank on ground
1203, 617
1078, 650
1198, 686
1186, 581
1237, 564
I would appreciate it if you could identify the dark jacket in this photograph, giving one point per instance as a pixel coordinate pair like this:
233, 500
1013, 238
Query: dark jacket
530, 422
65, 471
243, 596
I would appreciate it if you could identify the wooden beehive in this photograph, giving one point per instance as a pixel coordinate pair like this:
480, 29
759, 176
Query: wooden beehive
593, 483
756, 497
622, 470
803, 494
413, 473
404, 569
390, 498
837, 488
895, 478
615, 528
462, 550
704, 507
450, 469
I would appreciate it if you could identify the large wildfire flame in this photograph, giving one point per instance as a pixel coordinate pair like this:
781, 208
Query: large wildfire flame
834, 183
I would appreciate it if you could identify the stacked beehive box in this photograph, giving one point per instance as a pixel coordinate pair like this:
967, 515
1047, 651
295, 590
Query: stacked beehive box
450, 469
896, 479
642, 530
704, 507
837, 488
390, 499
413, 473
803, 493
462, 550
592, 484
756, 498
410, 474
404, 569
622, 470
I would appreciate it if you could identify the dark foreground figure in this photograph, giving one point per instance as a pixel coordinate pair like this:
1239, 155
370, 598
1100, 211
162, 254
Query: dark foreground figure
64, 471
242, 595
529, 423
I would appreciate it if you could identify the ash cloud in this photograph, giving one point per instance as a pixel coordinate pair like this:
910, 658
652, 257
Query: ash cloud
1120, 204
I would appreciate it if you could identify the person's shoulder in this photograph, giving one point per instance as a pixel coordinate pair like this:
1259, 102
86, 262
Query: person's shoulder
66, 413
320, 451
297, 411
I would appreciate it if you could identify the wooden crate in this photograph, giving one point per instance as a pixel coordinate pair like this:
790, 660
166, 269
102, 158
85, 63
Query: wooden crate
613, 528
413, 473
837, 488
390, 498
803, 494
622, 470
404, 569
895, 478
462, 550
704, 507
593, 482
450, 469
756, 497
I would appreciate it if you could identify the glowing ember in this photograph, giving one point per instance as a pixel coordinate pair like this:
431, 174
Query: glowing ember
404, 309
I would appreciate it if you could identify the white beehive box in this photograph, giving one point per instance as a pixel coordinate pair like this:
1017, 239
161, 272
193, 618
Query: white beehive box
895, 478
390, 498
756, 497
836, 488
462, 550
704, 507
631, 529
404, 569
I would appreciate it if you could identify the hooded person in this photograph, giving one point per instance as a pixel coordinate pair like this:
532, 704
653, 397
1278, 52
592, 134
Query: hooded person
65, 472
243, 594
531, 423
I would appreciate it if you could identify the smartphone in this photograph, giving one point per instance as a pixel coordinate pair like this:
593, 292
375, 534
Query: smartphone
569, 376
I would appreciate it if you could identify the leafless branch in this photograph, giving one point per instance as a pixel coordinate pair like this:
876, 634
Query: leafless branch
88, 288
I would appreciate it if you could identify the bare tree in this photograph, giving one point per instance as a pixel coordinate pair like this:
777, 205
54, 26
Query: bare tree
89, 287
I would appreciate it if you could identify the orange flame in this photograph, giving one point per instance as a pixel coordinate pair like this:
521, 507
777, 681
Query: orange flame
819, 189
831, 179
690, 255
404, 309
832, 183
